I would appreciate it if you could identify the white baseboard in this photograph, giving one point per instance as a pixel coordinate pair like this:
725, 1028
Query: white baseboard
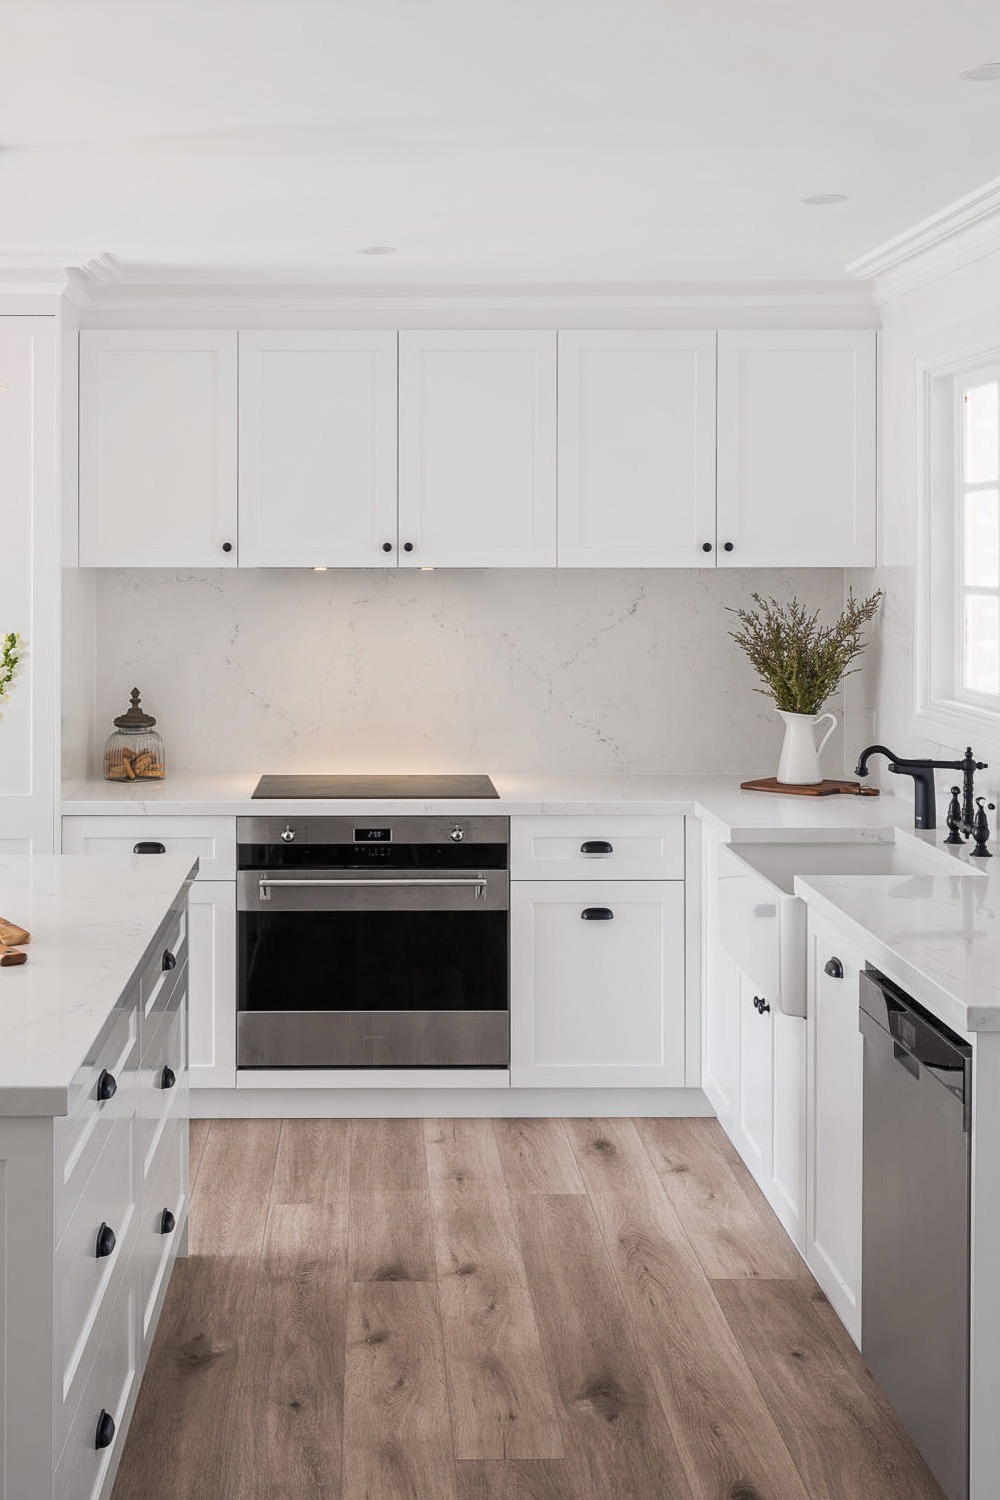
423, 1103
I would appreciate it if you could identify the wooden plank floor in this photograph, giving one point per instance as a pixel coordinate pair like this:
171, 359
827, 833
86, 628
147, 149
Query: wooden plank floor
498, 1310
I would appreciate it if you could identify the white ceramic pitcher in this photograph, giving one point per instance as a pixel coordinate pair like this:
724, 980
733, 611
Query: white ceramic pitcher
799, 762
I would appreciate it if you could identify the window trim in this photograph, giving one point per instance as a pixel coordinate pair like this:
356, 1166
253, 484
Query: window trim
942, 711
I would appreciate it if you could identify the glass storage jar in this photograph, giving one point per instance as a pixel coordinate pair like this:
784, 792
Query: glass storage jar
134, 752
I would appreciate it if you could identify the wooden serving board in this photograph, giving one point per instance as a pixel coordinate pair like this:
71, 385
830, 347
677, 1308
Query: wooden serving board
818, 789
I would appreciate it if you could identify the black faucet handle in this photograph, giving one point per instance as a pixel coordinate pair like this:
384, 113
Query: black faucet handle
954, 818
981, 831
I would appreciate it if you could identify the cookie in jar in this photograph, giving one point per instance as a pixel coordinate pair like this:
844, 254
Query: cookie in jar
134, 751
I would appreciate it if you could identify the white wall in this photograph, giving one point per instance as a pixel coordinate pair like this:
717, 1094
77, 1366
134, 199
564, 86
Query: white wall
569, 670
929, 325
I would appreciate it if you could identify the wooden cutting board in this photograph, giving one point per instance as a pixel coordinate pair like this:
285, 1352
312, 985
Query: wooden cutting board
818, 789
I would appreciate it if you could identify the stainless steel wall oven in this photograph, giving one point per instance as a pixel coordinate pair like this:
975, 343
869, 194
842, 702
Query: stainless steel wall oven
373, 942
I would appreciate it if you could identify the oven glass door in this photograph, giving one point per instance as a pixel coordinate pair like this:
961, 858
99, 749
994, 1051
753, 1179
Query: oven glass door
341, 968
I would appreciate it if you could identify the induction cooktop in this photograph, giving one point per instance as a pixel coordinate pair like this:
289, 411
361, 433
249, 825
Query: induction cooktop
383, 787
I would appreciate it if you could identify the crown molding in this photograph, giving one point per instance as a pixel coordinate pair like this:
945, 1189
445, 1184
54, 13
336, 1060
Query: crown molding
963, 232
55, 274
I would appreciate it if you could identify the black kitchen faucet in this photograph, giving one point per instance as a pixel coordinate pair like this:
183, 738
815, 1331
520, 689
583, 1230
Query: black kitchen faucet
922, 771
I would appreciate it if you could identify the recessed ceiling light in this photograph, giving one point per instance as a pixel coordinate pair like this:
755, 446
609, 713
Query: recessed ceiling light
981, 73
377, 250
822, 200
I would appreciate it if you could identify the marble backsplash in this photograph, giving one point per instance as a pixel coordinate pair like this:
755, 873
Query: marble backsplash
574, 670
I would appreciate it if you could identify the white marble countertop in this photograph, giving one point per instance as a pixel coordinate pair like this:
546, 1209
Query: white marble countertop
716, 798
91, 922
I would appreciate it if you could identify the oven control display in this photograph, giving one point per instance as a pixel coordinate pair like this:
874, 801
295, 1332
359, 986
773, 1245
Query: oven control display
373, 835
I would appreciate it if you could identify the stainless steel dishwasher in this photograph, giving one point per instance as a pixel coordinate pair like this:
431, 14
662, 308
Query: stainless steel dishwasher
915, 1223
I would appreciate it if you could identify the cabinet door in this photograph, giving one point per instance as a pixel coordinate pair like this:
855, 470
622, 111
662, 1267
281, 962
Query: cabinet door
636, 450
477, 450
720, 1049
834, 1080
157, 450
317, 449
796, 449
597, 983
212, 984
755, 1116
788, 1172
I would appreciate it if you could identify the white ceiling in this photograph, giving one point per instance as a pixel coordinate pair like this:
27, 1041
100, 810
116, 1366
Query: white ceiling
560, 140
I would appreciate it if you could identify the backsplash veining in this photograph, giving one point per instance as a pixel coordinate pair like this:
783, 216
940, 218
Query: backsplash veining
578, 670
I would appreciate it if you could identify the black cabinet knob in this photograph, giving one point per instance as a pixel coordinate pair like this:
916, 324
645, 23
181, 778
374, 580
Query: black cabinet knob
834, 968
168, 961
105, 1434
760, 1005
386, 546
148, 846
597, 914
106, 1241
706, 546
727, 546
167, 1222
227, 546
407, 546
597, 846
107, 1085
168, 1078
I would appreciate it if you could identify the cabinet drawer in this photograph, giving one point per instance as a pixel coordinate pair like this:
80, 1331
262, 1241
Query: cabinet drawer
80, 1137
87, 1272
212, 841
83, 1467
160, 981
162, 1088
161, 1224
598, 848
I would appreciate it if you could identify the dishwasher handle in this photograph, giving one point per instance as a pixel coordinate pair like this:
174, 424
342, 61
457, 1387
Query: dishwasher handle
928, 1050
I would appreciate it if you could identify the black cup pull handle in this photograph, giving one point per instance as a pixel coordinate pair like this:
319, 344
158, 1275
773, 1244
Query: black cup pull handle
834, 968
597, 914
106, 1241
149, 846
596, 846
105, 1434
107, 1085
168, 1078
168, 961
167, 1222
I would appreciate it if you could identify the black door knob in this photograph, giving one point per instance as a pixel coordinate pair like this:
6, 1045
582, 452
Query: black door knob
407, 546
147, 846
761, 1005
834, 968
386, 546
168, 961
105, 1434
597, 914
597, 846
167, 1222
227, 546
706, 546
168, 1078
106, 1241
107, 1085
727, 546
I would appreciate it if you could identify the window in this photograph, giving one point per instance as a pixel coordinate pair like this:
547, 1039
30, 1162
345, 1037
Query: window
977, 636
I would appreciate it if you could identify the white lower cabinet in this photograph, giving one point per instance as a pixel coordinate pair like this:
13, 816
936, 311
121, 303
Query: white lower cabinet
834, 1091
788, 1169
597, 983
212, 963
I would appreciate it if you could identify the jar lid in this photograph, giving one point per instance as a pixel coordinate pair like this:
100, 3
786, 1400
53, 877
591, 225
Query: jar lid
135, 718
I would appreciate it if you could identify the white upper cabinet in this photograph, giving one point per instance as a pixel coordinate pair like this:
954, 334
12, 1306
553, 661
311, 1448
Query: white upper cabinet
158, 449
796, 449
317, 449
477, 449
636, 450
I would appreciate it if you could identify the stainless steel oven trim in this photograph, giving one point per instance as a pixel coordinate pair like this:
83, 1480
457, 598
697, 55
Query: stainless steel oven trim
335, 890
265, 885
407, 828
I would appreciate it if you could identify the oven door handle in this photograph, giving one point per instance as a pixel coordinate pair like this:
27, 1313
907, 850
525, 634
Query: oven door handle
478, 881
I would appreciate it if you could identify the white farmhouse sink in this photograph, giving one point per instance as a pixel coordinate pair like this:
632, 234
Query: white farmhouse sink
762, 923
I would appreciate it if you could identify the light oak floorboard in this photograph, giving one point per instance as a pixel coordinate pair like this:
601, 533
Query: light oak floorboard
397, 1432
390, 1237
617, 1440
463, 1156
724, 1432
517, 1479
313, 1163
197, 1140
234, 1187
730, 1237
387, 1156
840, 1429
537, 1157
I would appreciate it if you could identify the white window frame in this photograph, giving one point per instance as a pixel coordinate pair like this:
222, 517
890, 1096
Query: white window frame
946, 711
